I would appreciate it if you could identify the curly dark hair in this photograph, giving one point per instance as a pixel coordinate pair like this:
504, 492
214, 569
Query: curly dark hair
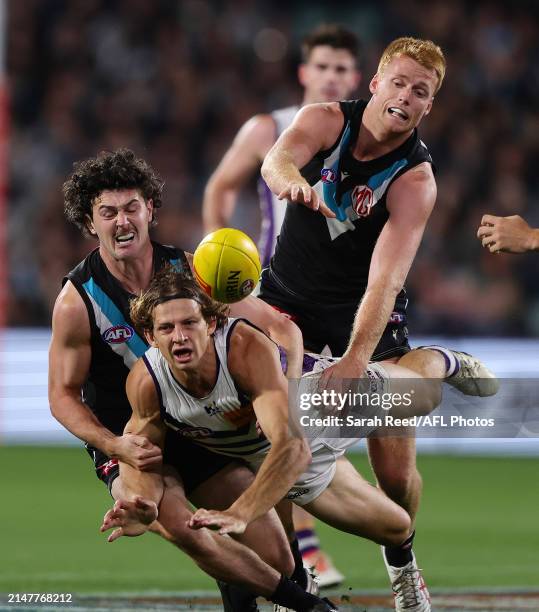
169, 284
333, 35
109, 170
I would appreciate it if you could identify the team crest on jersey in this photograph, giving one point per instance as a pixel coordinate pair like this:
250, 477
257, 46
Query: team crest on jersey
328, 175
362, 200
247, 286
118, 334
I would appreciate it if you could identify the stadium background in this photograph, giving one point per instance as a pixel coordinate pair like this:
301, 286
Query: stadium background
174, 81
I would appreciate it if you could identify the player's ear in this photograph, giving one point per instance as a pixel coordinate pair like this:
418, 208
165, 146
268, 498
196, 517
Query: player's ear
429, 106
373, 85
149, 206
88, 222
212, 326
302, 74
148, 334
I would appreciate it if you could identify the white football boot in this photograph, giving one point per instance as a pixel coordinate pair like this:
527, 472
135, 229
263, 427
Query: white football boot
473, 377
409, 588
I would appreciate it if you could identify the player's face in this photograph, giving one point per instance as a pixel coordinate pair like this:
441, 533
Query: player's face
181, 333
120, 219
329, 75
403, 93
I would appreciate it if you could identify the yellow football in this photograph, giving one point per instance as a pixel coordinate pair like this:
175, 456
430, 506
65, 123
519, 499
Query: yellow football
227, 265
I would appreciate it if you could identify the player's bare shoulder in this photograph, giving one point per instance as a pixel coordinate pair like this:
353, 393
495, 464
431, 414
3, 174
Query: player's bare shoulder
250, 351
416, 188
258, 134
325, 119
141, 391
70, 321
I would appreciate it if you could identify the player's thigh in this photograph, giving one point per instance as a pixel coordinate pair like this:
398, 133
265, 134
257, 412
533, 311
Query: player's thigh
352, 504
266, 535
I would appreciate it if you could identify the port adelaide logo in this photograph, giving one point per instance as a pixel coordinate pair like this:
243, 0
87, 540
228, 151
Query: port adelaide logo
118, 334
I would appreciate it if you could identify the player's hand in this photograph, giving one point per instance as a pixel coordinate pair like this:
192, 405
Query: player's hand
138, 452
225, 521
337, 377
303, 193
131, 518
507, 234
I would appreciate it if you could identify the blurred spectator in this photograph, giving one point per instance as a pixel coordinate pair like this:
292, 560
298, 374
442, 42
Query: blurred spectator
175, 80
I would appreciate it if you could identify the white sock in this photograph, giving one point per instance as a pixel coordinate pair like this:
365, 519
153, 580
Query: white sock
452, 364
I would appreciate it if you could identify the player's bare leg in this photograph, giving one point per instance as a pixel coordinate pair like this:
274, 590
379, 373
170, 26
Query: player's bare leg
393, 460
353, 505
222, 557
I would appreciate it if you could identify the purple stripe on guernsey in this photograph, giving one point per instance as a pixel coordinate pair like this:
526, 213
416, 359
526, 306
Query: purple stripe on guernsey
308, 361
267, 231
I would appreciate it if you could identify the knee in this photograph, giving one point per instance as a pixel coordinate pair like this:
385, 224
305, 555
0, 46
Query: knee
398, 482
282, 560
398, 529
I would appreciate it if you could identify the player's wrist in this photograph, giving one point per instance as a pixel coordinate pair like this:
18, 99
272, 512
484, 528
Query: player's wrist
533, 242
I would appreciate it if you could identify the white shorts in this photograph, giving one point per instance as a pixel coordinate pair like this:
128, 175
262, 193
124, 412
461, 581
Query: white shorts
325, 447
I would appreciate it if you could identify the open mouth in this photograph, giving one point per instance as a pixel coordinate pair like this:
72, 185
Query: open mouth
394, 111
125, 238
182, 355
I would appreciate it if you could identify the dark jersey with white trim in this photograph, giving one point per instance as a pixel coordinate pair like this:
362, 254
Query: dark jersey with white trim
328, 260
115, 343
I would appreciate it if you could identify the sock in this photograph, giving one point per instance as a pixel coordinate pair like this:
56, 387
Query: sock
399, 556
452, 365
291, 595
237, 598
300, 573
308, 541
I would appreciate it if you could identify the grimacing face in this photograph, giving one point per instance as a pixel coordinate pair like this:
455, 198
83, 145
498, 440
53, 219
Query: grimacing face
121, 219
181, 333
403, 93
329, 75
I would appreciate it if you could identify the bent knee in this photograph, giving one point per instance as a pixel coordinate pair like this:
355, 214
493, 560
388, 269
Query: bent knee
398, 483
398, 529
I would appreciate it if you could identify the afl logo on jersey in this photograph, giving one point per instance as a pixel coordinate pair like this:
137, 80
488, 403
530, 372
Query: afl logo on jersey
328, 176
195, 432
118, 334
362, 200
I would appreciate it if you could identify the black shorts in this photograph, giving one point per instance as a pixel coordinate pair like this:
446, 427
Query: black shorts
194, 463
331, 324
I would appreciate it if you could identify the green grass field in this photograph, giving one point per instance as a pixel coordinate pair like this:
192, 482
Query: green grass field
477, 528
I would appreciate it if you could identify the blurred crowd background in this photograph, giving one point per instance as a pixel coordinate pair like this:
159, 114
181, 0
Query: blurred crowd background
174, 80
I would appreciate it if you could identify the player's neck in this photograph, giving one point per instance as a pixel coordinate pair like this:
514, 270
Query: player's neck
134, 274
374, 139
200, 381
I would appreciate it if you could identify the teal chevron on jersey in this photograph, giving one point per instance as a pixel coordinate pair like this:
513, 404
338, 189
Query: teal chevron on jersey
113, 315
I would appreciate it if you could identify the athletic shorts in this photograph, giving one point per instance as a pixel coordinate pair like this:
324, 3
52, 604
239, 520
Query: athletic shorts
331, 324
326, 443
194, 463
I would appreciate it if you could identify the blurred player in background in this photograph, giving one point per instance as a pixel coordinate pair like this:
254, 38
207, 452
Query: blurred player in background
329, 72
507, 234
114, 198
341, 274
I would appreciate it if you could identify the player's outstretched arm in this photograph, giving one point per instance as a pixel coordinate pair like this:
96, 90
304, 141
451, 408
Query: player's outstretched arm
255, 366
69, 364
141, 491
239, 164
315, 128
507, 234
